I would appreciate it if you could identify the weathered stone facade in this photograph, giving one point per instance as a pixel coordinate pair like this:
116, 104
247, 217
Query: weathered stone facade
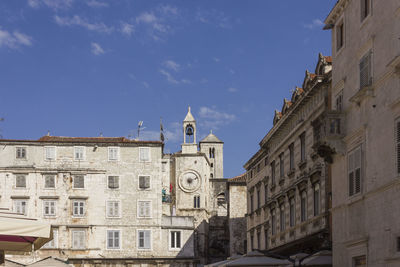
366, 159
288, 182
120, 202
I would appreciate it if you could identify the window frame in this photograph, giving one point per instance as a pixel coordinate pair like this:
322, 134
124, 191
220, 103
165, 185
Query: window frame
21, 155
140, 154
80, 231
46, 158
196, 202
171, 233
108, 214
303, 208
291, 157
147, 188
273, 172
368, 57
282, 218
282, 165
45, 176
273, 221
117, 153
79, 214
340, 29
292, 212
108, 247
150, 215
54, 214
25, 209
19, 175
352, 186
83, 153
367, 11
108, 182
53, 244
73, 182
144, 241
339, 96
317, 199
303, 154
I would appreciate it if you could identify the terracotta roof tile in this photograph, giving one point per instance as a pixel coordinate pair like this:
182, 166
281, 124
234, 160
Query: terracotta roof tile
328, 59
65, 139
239, 178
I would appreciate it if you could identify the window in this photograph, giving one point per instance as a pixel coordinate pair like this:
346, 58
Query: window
113, 153
144, 209
21, 152
258, 240
258, 167
339, 101
273, 172
365, 9
316, 200
398, 145
144, 239
282, 217
291, 156
20, 206
49, 181
113, 239
251, 202
53, 243
360, 261
50, 152
164, 167
78, 239
281, 165
265, 161
258, 198
266, 238
265, 193
113, 208
79, 181
354, 171
196, 200
252, 241
78, 208
113, 182
175, 239
144, 182
79, 152
273, 222
303, 206
339, 35
144, 154
212, 152
365, 70
20, 181
303, 147
398, 244
292, 209
49, 207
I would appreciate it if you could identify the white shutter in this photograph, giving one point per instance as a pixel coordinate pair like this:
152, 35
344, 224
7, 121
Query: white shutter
147, 239
147, 209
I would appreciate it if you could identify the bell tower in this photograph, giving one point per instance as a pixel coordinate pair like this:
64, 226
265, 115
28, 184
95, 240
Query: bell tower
189, 145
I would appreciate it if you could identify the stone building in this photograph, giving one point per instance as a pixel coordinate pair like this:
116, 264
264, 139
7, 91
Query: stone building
366, 159
115, 201
288, 183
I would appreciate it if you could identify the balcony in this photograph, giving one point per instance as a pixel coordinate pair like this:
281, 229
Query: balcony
177, 222
329, 129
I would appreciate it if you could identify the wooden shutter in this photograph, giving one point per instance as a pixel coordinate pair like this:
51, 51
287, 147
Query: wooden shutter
365, 70
178, 239
147, 181
357, 167
147, 239
141, 239
142, 182
147, 209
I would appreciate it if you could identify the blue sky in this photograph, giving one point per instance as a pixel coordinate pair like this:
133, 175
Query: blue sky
79, 68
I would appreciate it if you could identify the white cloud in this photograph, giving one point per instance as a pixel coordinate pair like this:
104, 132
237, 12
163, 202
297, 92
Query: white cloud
95, 3
53, 4
316, 23
213, 119
127, 29
232, 71
170, 64
168, 76
146, 17
232, 89
78, 21
172, 133
167, 9
14, 40
214, 17
145, 84
97, 49
216, 59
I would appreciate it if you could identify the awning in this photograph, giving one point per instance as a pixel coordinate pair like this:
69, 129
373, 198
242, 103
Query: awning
256, 258
18, 233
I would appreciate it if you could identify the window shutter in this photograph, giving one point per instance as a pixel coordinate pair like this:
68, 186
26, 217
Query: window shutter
172, 239
147, 182
365, 70
141, 239
147, 236
178, 239
141, 182
116, 209
147, 209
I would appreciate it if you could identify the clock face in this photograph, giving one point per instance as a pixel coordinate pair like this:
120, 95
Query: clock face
189, 181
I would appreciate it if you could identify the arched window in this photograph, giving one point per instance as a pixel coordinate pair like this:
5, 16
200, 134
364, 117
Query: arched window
212, 152
221, 199
189, 131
